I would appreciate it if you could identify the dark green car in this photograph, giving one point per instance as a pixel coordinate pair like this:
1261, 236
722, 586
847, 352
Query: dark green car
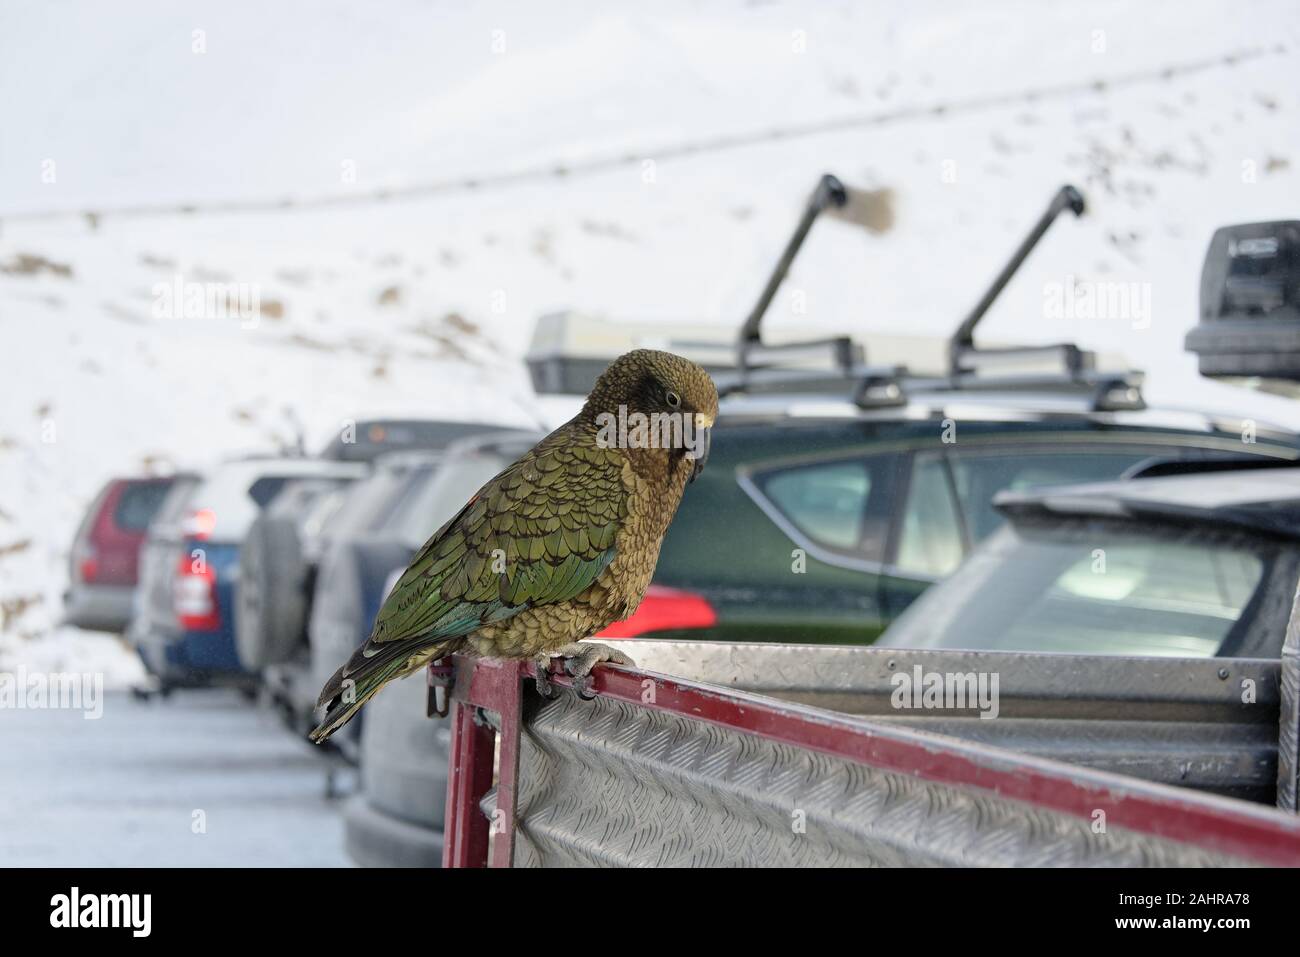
819, 521
833, 498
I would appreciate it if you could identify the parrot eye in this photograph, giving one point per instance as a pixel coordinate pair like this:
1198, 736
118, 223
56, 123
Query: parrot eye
673, 399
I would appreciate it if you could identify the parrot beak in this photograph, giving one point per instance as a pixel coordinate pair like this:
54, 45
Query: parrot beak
703, 441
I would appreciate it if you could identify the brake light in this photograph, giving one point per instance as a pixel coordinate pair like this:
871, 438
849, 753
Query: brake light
194, 596
664, 609
200, 523
87, 563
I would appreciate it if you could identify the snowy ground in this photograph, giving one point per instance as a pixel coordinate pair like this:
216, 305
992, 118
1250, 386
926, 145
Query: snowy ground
68, 650
661, 157
133, 787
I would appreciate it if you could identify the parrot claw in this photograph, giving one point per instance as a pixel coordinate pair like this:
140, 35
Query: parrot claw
543, 680
583, 686
581, 656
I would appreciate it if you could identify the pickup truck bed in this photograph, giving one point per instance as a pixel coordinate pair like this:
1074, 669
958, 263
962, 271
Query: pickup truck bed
779, 755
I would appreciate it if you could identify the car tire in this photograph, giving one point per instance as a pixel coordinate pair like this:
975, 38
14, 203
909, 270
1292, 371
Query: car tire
375, 839
271, 600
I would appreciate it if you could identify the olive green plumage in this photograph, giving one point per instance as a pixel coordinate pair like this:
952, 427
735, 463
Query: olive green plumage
558, 546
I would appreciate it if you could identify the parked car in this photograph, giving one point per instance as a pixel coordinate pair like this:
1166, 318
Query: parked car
397, 816
277, 569
871, 505
104, 562
384, 520
153, 610
284, 546
819, 521
1193, 565
367, 439
838, 490
195, 561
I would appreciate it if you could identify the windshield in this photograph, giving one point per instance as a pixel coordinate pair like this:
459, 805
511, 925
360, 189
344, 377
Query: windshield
1091, 587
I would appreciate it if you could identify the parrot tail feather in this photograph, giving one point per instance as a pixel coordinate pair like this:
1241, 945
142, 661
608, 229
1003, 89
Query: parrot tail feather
339, 711
356, 682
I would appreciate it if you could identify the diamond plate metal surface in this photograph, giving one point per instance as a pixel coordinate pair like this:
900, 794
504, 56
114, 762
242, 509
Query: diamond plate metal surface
605, 783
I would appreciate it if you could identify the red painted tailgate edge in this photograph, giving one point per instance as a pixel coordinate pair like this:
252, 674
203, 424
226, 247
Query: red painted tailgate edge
1215, 823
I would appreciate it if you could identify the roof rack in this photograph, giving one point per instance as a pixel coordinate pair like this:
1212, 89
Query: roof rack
751, 352
963, 355
1075, 368
970, 368
1100, 391
869, 386
761, 367
875, 387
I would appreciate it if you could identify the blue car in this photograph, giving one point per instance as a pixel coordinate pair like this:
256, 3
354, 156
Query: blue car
184, 618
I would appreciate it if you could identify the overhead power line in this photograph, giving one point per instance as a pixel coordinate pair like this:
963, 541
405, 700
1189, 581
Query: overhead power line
559, 170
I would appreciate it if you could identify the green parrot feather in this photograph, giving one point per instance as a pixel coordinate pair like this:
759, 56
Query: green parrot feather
553, 549
541, 531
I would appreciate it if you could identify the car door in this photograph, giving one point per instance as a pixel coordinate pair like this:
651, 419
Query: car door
815, 553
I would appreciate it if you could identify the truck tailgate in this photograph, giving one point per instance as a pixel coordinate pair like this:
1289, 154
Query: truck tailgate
697, 770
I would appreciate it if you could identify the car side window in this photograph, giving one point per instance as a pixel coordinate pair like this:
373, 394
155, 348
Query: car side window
979, 476
930, 535
830, 503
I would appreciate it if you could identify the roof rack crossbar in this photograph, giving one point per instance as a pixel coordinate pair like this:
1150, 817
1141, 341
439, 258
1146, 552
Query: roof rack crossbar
778, 378
962, 342
844, 352
1074, 361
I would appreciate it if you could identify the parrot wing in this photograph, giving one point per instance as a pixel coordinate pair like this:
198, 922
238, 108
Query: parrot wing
540, 532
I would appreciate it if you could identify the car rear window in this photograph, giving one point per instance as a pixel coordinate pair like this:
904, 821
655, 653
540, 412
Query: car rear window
1092, 587
979, 476
138, 504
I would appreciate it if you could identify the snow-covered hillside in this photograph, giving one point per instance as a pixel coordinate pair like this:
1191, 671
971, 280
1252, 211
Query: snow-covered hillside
663, 153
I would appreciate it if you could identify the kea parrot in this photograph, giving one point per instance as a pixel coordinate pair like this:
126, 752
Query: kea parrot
558, 546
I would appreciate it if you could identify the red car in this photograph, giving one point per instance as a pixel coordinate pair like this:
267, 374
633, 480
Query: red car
106, 552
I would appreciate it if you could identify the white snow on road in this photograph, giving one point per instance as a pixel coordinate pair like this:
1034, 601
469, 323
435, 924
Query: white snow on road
67, 650
203, 779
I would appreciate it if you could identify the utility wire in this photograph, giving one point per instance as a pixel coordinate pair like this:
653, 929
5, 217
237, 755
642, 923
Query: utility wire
558, 170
